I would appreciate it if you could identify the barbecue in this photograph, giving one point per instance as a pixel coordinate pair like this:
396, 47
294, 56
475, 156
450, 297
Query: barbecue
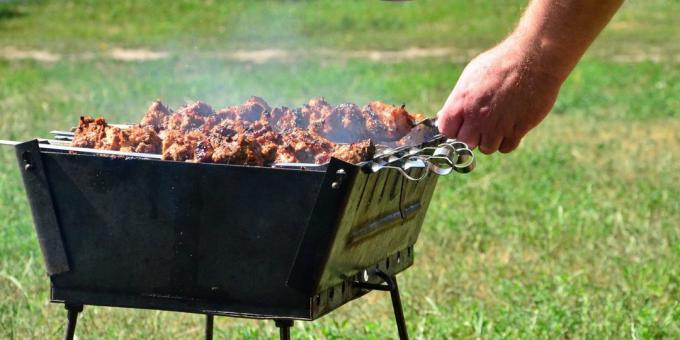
255, 134
279, 238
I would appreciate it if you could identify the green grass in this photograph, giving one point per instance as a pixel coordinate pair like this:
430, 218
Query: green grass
225, 25
65, 26
574, 235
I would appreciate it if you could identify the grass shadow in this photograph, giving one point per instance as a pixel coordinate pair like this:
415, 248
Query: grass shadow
8, 13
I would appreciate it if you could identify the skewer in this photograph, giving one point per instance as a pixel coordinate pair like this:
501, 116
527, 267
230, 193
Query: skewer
429, 122
8, 142
298, 165
62, 133
99, 151
49, 144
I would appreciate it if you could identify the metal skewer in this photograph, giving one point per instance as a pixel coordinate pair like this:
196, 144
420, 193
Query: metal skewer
45, 144
429, 122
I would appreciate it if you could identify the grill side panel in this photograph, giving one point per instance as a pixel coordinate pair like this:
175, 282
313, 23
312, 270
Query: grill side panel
380, 227
42, 207
375, 217
219, 237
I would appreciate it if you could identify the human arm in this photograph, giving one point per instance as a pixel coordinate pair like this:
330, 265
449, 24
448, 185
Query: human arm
508, 90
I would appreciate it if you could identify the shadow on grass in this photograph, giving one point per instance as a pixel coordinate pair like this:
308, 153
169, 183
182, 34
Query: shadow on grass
8, 13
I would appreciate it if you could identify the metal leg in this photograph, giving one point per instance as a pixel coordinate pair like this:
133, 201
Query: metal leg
72, 316
284, 328
391, 286
396, 304
209, 319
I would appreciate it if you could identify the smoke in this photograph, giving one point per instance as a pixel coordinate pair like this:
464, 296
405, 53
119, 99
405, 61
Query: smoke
288, 52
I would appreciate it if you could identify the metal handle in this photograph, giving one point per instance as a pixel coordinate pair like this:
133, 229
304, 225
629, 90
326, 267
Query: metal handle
441, 160
8, 142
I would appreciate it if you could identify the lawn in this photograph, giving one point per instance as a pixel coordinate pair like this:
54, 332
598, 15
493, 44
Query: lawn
574, 235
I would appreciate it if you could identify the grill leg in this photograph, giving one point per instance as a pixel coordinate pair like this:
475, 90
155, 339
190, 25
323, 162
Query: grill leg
396, 303
209, 319
72, 316
284, 328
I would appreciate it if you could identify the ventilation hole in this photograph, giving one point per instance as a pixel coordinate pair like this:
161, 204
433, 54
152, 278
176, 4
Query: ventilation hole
387, 263
344, 285
398, 257
331, 293
410, 251
317, 299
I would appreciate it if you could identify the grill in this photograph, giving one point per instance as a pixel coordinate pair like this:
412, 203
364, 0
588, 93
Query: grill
289, 242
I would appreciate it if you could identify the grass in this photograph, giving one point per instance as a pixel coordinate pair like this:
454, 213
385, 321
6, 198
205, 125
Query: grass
85, 23
574, 235
352, 24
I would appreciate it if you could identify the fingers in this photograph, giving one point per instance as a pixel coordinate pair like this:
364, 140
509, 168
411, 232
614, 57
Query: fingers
508, 144
489, 143
449, 123
469, 134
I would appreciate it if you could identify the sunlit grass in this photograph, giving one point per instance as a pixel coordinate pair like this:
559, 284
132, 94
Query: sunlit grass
575, 233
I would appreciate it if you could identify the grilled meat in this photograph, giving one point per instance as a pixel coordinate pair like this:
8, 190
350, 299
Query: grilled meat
141, 139
416, 136
307, 147
92, 133
176, 147
97, 134
156, 116
255, 134
344, 124
197, 116
285, 119
396, 121
355, 152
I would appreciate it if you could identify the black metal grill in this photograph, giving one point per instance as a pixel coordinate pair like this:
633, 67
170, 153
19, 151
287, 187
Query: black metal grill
284, 243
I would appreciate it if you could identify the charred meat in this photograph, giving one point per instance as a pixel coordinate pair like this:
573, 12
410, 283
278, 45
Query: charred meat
253, 133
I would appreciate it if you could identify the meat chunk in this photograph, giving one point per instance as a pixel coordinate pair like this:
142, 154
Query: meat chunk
97, 134
196, 116
178, 146
156, 116
307, 147
397, 121
141, 139
356, 152
416, 136
317, 109
203, 151
244, 149
344, 124
90, 132
285, 119
252, 109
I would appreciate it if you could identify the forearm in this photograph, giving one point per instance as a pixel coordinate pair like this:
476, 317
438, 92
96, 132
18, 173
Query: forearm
553, 35
508, 90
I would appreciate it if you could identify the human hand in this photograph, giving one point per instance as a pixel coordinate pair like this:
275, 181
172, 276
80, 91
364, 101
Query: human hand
501, 95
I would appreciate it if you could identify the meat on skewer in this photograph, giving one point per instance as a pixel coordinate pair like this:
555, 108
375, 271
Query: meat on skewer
253, 133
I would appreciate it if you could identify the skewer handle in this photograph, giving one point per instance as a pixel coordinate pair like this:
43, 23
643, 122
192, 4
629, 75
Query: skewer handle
8, 142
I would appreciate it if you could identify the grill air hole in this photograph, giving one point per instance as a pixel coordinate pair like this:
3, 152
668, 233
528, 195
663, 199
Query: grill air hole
317, 299
387, 263
398, 257
344, 284
331, 293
